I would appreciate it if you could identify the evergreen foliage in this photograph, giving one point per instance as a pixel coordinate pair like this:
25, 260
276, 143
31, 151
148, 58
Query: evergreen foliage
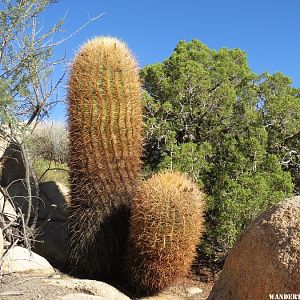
235, 132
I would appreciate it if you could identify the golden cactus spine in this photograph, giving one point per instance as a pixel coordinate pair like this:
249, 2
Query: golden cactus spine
105, 147
165, 227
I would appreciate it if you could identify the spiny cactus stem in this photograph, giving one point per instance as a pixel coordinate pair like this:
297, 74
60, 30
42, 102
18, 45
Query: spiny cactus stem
112, 182
104, 115
111, 134
129, 172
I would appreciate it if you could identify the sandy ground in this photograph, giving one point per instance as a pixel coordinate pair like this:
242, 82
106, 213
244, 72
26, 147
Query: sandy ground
22, 287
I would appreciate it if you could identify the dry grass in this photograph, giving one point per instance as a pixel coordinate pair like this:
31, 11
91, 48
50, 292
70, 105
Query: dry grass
51, 171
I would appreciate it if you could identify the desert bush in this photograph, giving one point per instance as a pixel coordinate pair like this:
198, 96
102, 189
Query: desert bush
49, 141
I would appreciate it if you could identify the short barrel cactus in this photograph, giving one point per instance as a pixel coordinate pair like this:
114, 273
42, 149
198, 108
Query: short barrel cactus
165, 227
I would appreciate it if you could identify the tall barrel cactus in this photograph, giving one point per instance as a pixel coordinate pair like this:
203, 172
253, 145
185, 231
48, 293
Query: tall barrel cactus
104, 112
165, 227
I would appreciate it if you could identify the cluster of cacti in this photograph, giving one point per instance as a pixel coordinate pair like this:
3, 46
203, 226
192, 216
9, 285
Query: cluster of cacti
165, 227
104, 158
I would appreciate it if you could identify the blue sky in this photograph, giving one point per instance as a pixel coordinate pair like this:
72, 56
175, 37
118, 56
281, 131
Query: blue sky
268, 31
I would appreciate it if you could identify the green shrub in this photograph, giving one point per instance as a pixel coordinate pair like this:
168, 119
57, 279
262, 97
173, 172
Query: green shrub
235, 132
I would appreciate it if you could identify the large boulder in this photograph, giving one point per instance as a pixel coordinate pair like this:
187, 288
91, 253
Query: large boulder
52, 239
53, 197
266, 258
12, 167
18, 193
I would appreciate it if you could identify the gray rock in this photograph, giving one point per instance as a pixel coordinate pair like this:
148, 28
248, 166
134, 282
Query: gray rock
12, 166
6, 210
265, 260
21, 260
54, 193
52, 240
51, 193
18, 193
80, 296
92, 287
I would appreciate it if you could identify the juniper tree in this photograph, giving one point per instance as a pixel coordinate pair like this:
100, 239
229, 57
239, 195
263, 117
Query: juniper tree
235, 132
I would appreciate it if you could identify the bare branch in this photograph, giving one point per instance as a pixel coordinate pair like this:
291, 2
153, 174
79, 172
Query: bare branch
76, 31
